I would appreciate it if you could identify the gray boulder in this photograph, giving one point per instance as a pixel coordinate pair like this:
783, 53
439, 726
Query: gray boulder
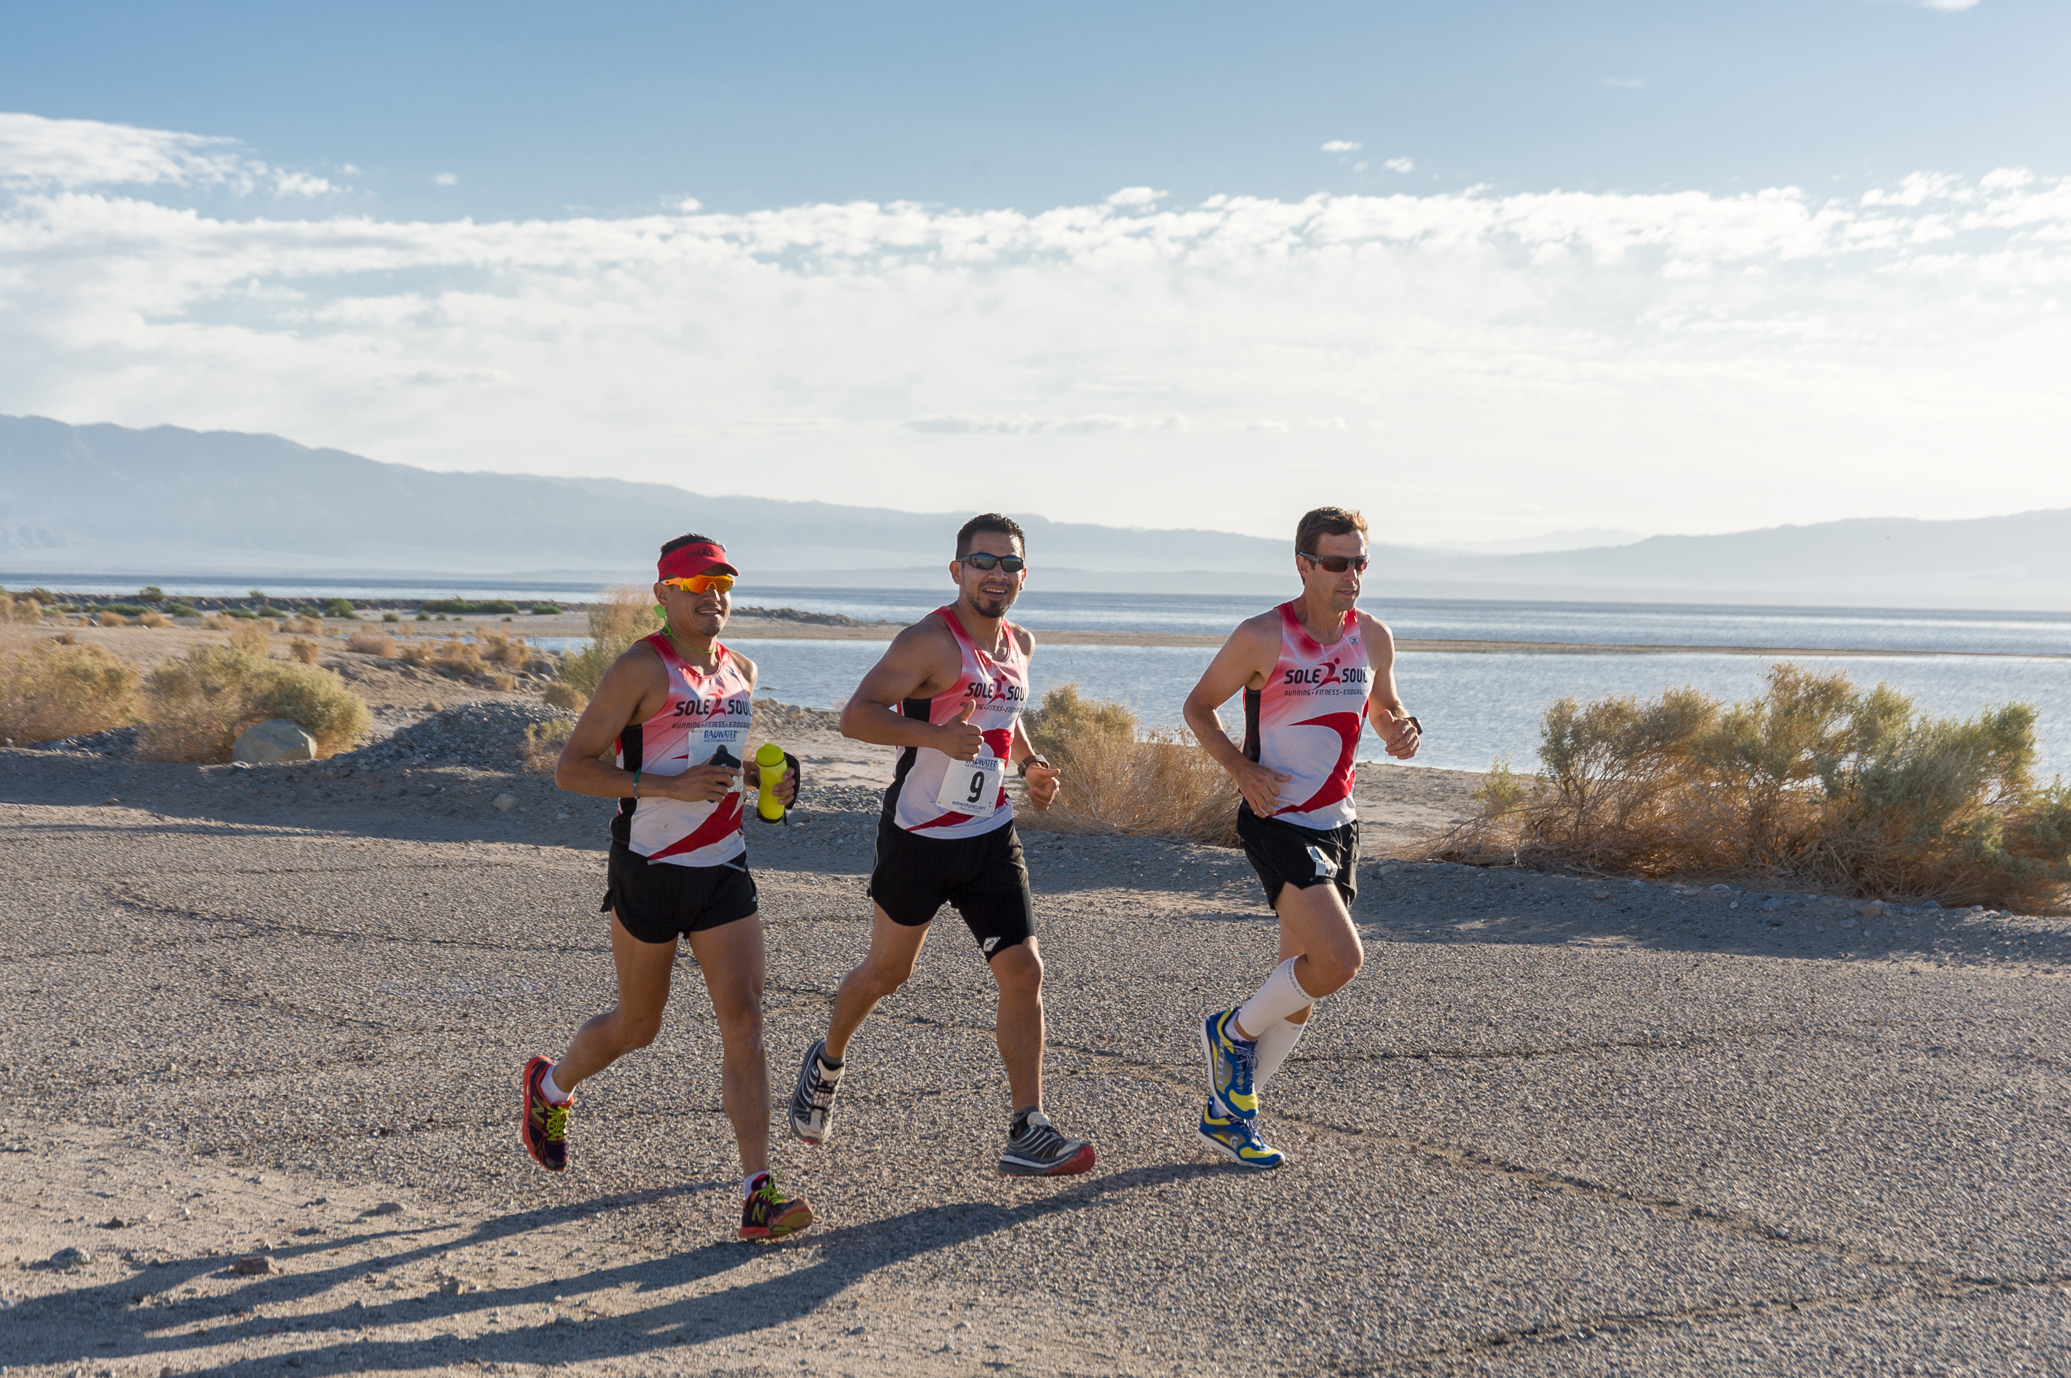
276, 739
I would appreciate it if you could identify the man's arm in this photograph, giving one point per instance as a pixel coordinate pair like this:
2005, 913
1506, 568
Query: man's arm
633, 690
921, 662
1384, 705
1039, 773
1246, 657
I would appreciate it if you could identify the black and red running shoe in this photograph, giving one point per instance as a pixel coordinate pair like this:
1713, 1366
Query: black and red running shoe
544, 1127
769, 1214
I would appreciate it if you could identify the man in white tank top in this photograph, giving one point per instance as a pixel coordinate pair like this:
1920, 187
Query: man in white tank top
1313, 672
672, 714
949, 693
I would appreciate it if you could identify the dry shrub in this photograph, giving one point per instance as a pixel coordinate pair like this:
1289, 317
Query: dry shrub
622, 617
308, 652
1119, 780
306, 625
501, 648
371, 644
503, 681
57, 689
418, 653
561, 694
199, 704
13, 609
110, 619
1813, 782
220, 622
154, 619
543, 743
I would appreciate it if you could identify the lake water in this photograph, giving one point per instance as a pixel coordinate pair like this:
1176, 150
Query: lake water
1474, 707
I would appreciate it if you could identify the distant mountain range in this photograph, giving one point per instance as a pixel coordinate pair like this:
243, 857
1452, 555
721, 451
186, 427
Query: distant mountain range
166, 502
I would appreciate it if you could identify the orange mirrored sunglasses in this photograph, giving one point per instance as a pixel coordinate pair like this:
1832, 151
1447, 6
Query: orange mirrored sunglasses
701, 583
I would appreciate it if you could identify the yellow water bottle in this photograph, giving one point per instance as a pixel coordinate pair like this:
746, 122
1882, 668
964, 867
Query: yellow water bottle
769, 763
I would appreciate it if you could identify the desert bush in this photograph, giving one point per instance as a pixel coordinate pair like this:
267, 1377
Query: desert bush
561, 694
371, 644
418, 653
503, 681
182, 610
154, 619
197, 705
390, 617
305, 625
340, 607
620, 618
1813, 782
220, 622
501, 648
106, 618
1117, 779
546, 609
60, 689
23, 609
307, 652
126, 609
543, 743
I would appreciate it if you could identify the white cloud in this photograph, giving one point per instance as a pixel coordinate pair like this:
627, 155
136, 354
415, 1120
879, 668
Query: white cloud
1949, 5
1137, 196
1399, 165
301, 184
447, 179
1342, 146
1430, 355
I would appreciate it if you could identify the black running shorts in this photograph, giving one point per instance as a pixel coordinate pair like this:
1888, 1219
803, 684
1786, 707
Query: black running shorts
1288, 854
983, 876
657, 901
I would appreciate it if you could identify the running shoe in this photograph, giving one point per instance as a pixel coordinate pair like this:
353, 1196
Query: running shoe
1237, 1140
769, 1214
544, 1127
1230, 1060
1038, 1150
812, 1100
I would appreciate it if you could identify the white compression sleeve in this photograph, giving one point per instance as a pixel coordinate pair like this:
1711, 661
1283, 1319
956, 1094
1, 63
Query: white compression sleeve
1273, 1047
1279, 997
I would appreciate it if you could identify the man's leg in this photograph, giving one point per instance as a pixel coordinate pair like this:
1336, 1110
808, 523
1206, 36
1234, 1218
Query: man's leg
1019, 972
894, 947
1320, 954
643, 989
1278, 1040
731, 958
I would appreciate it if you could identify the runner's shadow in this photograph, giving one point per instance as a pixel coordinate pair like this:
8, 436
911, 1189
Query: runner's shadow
845, 1256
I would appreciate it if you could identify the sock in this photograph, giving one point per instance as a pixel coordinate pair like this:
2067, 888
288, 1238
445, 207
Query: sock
551, 1089
1273, 1047
750, 1182
1279, 997
830, 1067
1019, 1123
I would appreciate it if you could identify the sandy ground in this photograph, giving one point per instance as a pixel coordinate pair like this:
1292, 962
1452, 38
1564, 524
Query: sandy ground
1558, 1125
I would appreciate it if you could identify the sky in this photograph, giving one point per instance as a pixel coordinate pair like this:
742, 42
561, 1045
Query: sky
1486, 271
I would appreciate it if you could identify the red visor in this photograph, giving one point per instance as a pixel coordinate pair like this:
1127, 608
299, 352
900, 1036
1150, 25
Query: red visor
686, 561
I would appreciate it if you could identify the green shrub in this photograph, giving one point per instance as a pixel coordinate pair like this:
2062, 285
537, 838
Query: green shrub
546, 609
182, 610
151, 593
1814, 782
461, 607
426, 617
390, 617
340, 607
126, 609
197, 705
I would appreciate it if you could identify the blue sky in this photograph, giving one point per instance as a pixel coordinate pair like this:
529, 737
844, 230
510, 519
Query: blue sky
1805, 260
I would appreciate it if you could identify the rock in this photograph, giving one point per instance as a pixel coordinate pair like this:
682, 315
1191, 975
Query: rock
504, 802
252, 1265
456, 1287
66, 1259
114, 1222
273, 741
385, 1208
1726, 888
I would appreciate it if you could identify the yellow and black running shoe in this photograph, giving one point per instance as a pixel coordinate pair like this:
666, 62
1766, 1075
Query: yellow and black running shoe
544, 1127
769, 1214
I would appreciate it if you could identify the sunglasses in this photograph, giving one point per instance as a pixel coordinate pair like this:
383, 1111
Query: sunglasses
1336, 564
1013, 564
702, 583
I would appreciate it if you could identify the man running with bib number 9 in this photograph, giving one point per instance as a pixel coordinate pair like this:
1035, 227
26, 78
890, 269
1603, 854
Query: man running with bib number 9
1313, 672
949, 693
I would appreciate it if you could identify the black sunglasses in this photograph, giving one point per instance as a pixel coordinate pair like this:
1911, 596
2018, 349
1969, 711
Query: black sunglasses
1013, 564
1336, 564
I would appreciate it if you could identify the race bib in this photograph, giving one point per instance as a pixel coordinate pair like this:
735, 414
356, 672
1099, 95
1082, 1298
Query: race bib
973, 787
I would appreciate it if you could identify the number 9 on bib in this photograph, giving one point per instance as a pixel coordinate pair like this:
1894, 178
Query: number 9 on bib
972, 788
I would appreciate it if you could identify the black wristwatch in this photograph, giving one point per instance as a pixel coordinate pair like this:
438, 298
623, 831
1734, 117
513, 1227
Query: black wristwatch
1021, 771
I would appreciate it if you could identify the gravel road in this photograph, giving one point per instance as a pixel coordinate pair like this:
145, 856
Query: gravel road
1558, 1125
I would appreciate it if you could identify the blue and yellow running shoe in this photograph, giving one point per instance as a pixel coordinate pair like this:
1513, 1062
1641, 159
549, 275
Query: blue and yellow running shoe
1230, 1060
1237, 1140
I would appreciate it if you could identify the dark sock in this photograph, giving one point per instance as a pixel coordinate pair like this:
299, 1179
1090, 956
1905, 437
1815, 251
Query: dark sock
1020, 1122
832, 1064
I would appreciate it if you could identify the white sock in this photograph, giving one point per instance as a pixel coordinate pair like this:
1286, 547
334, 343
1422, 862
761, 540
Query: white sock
749, 1183
1273, 1047
1279, 997
551, 1089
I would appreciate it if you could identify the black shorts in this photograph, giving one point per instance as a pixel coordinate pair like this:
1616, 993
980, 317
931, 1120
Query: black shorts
1289, 854
983, 876
657, 901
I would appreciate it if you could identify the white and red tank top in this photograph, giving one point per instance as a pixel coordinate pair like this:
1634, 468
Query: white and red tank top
924, 775
705, 714
1306, 721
